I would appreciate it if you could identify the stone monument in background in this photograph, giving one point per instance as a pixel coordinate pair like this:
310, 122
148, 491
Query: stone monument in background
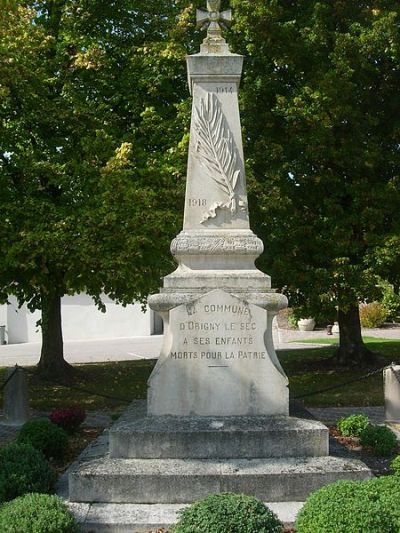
217, 416
218, 356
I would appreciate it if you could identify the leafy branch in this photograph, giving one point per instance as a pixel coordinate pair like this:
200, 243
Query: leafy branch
217, 151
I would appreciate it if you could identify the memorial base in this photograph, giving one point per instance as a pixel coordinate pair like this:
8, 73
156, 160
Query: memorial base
162, 463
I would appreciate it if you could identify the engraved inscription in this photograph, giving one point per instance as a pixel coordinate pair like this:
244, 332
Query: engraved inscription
197, 202
224, 90
228, 334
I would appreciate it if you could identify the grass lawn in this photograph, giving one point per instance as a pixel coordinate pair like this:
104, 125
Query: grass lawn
124, 380
335, 340
308, 369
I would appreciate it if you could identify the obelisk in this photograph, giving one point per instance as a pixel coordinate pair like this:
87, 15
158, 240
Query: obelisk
218, 373
218, 357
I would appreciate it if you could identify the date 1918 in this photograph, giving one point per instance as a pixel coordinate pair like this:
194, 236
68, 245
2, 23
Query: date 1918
197, 202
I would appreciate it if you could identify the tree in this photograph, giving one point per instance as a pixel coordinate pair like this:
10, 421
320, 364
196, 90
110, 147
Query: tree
322, 124
92, 153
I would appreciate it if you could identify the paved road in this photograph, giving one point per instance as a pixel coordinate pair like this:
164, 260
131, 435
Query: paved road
123, 349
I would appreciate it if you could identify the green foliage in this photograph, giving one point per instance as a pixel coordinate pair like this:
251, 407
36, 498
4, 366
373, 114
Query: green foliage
93, 134
386, 490
320, 112
391, 302
37, 513
223, 513
373, 315
23, 469
353, 425
344, 507
395, 465
50, 439
380, 438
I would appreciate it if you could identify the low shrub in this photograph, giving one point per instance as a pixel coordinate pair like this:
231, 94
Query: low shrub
68, 419
345, 507
353, 425
380, 438
395, 466
372, 315
23, 469
37, 513
44, 436
223, 513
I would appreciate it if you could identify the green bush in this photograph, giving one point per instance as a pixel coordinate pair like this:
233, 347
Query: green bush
381, 438
386, 489
228, 513
23, 469
391, 302
37, 513
395, 466
44, 436
372, 315
345, 507
353, 425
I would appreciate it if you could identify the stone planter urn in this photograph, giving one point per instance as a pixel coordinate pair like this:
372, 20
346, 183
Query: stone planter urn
335, 328
306, 324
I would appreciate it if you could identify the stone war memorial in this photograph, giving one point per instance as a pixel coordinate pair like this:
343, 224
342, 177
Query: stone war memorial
217, 415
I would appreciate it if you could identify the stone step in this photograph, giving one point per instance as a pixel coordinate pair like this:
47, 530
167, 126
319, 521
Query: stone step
142, 518
246, 437
149, 481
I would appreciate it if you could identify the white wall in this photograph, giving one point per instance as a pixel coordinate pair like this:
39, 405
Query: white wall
81, 320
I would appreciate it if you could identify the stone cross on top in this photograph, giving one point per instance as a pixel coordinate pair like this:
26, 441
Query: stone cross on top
214, 20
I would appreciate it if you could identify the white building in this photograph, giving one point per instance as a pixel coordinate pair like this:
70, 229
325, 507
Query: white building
81, 320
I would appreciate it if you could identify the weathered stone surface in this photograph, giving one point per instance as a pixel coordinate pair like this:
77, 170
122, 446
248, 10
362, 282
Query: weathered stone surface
16, 403
218, 437
142, 518
218, 359
216, 250
391, 378
184, 481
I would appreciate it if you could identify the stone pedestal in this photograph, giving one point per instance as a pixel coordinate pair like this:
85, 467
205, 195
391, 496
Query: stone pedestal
176, 460
218, 360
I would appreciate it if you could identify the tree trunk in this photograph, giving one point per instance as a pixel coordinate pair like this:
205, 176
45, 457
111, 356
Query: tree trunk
352, 350
52, 364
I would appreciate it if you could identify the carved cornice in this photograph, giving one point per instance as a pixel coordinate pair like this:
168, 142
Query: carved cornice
217, 245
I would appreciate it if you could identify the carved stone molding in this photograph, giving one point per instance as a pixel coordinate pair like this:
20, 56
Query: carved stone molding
217, 245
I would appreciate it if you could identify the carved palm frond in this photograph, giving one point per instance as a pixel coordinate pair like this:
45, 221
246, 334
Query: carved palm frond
216, 149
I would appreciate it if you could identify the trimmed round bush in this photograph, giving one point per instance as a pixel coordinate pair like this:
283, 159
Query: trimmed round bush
23, 469
228, 513
345, 507
37, 513
395, 466
44, 436
386, 489
353, 425
381, 438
